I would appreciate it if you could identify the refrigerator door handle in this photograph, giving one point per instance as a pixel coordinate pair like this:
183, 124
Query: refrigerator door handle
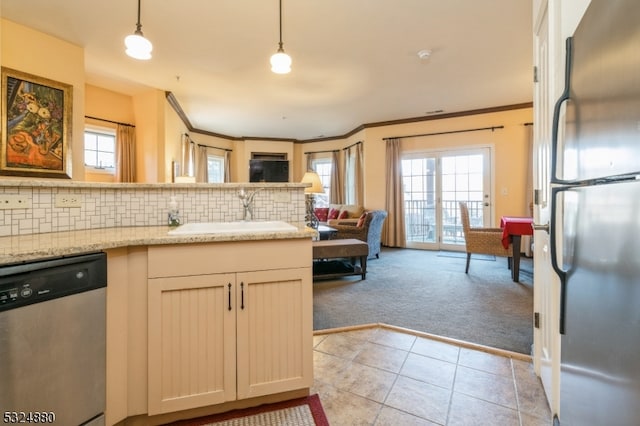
562, 274
556, 114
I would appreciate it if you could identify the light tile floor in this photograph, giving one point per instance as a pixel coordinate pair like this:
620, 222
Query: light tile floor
384, 376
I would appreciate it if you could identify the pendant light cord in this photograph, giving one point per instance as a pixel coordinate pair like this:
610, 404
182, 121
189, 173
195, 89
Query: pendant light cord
280, 2
138, 24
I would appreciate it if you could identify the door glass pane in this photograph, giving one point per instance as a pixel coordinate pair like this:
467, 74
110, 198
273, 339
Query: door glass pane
465, 177
434, 184
419, 199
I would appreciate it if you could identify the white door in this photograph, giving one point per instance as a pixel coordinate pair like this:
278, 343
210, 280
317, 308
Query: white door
434, 183
546, 338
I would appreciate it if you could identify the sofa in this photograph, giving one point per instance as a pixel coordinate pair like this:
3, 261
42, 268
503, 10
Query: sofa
367, 228
338, 212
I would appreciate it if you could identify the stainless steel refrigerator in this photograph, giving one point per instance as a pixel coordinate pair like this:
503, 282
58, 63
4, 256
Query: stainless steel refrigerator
595, 223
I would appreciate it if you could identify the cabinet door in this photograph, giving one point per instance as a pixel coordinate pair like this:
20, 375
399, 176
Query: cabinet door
192, 346
275, 331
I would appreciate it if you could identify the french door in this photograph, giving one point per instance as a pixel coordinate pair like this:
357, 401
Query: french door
434, 183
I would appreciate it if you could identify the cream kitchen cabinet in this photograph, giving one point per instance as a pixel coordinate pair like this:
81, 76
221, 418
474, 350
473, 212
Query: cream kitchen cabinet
228, 322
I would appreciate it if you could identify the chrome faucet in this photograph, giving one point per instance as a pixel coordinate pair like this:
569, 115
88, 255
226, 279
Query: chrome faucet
247, 202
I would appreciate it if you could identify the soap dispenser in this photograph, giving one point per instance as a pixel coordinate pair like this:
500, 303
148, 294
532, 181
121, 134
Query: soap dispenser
174, 214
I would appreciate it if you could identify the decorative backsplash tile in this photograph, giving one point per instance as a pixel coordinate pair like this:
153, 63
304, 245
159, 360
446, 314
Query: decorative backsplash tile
123, 205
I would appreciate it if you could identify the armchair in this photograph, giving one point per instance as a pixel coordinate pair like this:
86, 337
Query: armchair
482, 240
369, 231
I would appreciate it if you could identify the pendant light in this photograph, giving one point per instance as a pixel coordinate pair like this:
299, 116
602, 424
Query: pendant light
137, 46
280, 61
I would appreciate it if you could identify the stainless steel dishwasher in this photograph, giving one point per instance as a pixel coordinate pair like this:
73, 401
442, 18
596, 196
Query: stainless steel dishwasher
53, 341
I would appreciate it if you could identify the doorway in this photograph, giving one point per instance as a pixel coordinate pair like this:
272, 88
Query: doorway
434, 183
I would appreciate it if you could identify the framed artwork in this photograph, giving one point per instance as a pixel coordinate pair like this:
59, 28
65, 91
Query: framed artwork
36, 126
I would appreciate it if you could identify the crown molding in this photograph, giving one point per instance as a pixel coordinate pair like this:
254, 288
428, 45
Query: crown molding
178, 109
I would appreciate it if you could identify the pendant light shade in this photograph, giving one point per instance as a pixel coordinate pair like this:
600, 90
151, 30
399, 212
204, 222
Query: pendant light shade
280, 61
137, 45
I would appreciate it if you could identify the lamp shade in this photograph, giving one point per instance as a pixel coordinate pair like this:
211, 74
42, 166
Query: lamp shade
185, 179
314, 180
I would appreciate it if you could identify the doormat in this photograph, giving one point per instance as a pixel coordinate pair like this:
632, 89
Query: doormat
305, 411
464, 255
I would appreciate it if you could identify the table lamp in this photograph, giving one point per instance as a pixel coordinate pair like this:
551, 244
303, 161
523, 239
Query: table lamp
315, 188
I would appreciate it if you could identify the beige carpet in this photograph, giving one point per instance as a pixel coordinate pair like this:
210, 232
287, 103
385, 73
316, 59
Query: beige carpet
428, 291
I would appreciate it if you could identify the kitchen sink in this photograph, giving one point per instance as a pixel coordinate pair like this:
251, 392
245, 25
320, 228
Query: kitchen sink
239, 227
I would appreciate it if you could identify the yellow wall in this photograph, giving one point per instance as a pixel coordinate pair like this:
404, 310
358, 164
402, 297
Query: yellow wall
173, 131
509, 147
159, 128
56, 60
510, 150
149, 110
107, 105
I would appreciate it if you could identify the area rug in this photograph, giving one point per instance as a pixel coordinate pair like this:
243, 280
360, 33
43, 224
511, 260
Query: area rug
305, 411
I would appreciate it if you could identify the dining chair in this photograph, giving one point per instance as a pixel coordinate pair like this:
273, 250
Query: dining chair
482, 240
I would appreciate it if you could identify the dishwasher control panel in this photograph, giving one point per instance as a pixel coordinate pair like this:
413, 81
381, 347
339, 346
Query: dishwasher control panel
34, 282
9, 295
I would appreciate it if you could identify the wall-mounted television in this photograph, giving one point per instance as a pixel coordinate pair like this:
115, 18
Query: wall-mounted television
268, 171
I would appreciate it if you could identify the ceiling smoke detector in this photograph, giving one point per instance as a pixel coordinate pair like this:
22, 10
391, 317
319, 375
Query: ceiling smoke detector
424, 54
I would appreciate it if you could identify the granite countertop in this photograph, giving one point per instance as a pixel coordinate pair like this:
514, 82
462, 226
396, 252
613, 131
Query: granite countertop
40, 246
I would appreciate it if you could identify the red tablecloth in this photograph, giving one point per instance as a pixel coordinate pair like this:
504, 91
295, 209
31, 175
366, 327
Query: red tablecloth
515, 226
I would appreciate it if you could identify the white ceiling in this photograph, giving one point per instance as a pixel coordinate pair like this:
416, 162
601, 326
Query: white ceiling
354, 62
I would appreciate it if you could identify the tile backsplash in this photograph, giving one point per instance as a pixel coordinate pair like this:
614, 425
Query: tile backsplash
122, 205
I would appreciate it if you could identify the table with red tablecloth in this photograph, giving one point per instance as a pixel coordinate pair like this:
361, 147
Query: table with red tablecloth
513, 228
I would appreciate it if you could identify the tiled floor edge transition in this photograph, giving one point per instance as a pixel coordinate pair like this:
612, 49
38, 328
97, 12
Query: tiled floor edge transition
461, 343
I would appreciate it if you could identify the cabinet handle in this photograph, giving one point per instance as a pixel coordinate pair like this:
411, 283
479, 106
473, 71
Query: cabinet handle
241, 295
229, 287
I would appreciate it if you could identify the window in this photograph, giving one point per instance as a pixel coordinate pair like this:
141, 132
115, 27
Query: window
322, 167
100, 149
215, 168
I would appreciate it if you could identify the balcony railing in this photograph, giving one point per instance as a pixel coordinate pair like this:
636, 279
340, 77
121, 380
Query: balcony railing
420, 220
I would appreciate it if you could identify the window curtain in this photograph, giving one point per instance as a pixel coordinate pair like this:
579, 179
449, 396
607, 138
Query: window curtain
358, 174
125, 153
202, 167
393, 232
227, 166
310, 158
187, 156
336, 193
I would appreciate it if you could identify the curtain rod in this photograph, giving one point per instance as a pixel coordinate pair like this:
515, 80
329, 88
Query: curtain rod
334, 150
214, 147
109, 121
528, 124
446, 133
319, 152
207, 146
352, 145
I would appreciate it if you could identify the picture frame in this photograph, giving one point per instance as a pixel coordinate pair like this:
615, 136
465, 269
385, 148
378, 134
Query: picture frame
36, 127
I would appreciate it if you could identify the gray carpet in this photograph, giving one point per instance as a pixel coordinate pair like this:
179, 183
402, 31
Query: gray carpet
428, 291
